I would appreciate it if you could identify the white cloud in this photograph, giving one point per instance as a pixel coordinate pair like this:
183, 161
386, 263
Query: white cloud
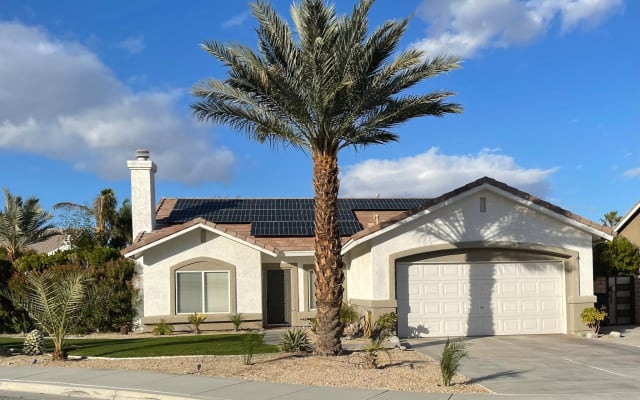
632, 173
432, 173
236, 20
132, 45
60, 101
463, 27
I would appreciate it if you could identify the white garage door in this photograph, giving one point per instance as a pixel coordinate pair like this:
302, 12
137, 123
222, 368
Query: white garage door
475, 299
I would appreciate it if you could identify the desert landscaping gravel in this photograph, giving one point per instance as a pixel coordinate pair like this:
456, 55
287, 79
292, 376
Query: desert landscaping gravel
403, 370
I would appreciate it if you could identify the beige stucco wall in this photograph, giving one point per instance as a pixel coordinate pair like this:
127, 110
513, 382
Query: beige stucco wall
632, 230
462, 222
157, 262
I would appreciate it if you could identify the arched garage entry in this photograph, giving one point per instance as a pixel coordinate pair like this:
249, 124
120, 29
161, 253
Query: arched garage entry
482, 291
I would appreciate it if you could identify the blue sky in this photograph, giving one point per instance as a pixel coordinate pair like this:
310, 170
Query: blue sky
551, 92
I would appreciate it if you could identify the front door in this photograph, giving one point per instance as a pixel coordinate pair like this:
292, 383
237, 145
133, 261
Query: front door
278, 297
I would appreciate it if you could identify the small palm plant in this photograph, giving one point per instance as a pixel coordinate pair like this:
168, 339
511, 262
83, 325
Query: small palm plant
162, 328
250, 343
196, 319
55, 301
451, 355
373, 351
236, 320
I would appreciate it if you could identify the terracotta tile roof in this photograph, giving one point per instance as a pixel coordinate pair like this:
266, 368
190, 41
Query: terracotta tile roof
485, 180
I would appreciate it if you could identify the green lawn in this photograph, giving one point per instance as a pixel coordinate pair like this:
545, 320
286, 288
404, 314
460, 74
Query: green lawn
152, 346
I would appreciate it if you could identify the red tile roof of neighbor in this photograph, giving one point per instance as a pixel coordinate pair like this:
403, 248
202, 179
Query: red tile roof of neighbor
370, 220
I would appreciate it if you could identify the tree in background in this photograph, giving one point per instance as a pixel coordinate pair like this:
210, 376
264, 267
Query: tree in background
326, 87
112, 304
610, 219
100, 224
619, 257
23, 223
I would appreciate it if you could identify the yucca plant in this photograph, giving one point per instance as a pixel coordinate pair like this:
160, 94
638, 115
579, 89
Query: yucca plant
162, 328
196, 319
452, 353
294, 341
55, 301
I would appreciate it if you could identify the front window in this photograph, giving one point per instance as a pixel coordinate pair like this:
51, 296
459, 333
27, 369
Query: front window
203, 292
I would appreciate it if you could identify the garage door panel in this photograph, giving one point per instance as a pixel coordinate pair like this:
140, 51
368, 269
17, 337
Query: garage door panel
480, 298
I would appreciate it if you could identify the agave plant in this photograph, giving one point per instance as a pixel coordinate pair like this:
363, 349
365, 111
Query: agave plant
55, 301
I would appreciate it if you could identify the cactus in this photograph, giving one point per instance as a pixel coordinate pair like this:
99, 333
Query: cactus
34, 343
368, 325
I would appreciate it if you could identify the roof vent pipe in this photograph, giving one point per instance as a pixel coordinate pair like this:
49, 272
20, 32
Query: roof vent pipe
142, 154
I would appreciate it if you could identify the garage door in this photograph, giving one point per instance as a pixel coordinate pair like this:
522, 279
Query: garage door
476, 299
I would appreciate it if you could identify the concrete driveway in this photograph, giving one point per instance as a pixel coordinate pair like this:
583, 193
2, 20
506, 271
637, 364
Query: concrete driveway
548, 364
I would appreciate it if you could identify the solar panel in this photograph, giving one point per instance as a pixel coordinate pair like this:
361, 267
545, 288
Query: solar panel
281, 217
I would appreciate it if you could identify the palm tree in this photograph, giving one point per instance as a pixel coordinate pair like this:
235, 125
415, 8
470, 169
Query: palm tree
326, 88
23, 223
103, 211
610, 219
54, 301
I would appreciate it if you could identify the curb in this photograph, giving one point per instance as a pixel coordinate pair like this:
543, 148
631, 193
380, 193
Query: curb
86, 391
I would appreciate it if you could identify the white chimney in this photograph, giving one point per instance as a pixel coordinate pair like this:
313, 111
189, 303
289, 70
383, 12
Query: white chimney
143, 193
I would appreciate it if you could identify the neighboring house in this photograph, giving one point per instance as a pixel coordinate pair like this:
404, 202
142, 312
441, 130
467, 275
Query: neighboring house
484, 259
629, 225
51, 245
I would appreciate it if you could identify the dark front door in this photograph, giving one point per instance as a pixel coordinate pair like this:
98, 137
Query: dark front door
278, 297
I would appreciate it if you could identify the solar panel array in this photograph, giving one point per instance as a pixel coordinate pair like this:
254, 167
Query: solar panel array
281, 217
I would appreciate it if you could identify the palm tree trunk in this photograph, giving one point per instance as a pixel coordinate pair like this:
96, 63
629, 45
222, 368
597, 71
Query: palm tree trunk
328, 260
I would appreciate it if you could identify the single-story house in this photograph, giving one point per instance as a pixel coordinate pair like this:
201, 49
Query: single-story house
52, 245
483, 259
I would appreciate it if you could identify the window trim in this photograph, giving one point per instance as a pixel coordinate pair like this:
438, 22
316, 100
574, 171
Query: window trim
310, 286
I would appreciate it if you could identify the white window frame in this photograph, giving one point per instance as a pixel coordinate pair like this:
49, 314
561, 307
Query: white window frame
204, 296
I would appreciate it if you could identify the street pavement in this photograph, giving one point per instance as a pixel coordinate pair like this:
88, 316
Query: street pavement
542, 367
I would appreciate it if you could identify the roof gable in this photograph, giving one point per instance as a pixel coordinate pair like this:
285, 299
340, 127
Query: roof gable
447, 198
148, 240
628, 217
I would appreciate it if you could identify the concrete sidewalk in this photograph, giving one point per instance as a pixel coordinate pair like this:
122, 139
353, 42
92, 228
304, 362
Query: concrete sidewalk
112, 384
85, 383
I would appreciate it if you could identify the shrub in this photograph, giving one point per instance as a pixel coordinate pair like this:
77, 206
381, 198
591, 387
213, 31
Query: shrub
250, 342
162, 328
452, 353
34, 343
294, 341
348, 314
313, 324
386, 324
196, 319
236, 320
109, 280
593, 317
